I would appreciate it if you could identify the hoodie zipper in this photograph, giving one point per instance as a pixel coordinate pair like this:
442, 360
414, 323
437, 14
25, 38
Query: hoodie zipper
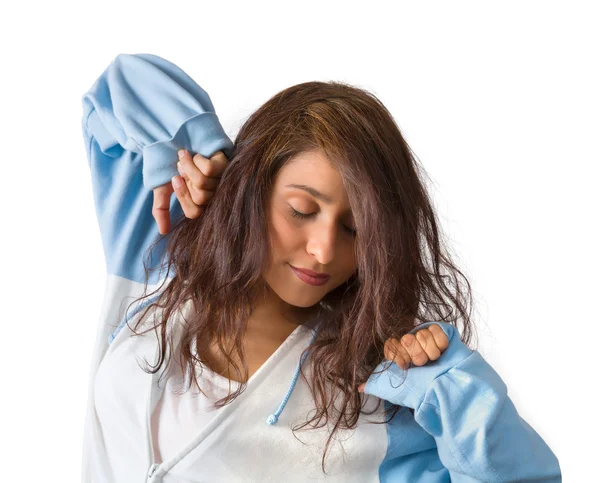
154, 465
152, 470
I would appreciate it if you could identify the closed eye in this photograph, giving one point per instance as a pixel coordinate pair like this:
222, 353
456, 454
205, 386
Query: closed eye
297, 214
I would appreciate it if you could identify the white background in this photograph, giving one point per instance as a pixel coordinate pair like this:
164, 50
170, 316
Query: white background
499, 100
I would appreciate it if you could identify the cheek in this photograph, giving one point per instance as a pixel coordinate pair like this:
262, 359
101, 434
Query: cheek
284, 235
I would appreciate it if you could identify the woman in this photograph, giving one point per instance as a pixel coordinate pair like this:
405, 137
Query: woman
355, 373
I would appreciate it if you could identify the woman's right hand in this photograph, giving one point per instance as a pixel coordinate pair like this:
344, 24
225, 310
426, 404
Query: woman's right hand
198, 180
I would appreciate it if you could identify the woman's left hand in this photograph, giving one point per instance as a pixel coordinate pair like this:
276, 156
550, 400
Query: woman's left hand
419, 348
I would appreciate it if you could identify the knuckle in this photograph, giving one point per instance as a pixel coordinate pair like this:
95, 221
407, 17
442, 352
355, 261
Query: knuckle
408, 341
201, 197
191, 211
445, 342
218, 156
196, 198
209, 169
435, 353
439, 336
425, 338
200, 162
193, 214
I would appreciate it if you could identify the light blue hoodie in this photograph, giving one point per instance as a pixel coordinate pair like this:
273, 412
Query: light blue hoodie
465, 428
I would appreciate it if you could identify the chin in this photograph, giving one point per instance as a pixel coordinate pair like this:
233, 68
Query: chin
299, 298
307, 306
301, 302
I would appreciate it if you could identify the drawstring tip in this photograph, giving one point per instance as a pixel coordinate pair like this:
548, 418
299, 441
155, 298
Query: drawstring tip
272, 419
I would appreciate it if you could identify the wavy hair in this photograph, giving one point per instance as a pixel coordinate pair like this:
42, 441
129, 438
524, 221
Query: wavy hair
405, 274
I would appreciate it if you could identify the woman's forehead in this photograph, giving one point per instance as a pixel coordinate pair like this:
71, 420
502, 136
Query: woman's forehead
310, 168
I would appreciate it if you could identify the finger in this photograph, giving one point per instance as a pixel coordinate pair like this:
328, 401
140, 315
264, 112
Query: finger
441, 340
425, 338
393, 351
160, 207
198, 196
414, 349
190, 169
214, 166
200, 187
190, 209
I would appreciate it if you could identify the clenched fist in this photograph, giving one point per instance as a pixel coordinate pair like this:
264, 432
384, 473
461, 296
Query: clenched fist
419, 348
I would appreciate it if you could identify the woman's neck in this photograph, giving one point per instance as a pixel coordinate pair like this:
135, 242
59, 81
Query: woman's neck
272, 315
271, 322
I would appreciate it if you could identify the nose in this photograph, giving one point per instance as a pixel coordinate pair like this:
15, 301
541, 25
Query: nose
321, 242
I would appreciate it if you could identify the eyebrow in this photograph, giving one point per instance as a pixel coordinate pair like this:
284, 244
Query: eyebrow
312, 191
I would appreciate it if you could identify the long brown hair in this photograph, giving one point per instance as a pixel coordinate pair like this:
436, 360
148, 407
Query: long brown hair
405, 276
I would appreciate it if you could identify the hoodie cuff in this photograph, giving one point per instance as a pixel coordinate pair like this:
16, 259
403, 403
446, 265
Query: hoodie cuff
201, 134
408, 387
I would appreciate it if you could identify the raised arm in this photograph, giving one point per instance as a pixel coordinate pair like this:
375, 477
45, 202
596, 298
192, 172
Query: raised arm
136, 115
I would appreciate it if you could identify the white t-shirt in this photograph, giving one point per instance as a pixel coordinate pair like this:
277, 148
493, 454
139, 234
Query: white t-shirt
178, 418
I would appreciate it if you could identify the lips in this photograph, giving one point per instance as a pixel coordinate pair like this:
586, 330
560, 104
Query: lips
310, 277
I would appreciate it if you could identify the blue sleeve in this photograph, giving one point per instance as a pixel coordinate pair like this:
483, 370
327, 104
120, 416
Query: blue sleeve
462, 402
136, 116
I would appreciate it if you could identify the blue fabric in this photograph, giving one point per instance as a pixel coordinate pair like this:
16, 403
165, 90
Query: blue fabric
461, 403
136, 116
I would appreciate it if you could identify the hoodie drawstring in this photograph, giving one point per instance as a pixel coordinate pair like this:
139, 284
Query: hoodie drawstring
273, 418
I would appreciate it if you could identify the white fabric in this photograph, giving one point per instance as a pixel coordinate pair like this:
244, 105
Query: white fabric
180, 417
236, 445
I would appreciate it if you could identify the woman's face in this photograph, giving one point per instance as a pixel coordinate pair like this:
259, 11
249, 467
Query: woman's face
322, 242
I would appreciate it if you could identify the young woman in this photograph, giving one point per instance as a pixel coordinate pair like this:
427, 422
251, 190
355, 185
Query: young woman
268, 370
